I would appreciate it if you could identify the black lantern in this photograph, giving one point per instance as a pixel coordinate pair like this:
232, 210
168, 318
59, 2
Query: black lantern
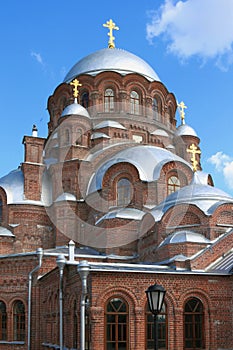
155, 297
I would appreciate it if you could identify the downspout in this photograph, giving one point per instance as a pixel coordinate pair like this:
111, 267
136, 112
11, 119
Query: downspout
83, 270
61, 261
39, 253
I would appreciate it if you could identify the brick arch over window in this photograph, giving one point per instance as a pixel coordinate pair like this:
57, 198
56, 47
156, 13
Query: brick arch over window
114, 174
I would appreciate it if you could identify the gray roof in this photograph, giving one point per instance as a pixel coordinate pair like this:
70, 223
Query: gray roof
184, 130
205, 197
13, 184
123, 213
99, 135
116, 60
184, 236
160, 132
148, 160
75, 109
109, 123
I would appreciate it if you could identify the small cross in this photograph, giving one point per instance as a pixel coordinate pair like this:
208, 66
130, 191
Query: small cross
75, 83
182, 107
111, 25
194, 150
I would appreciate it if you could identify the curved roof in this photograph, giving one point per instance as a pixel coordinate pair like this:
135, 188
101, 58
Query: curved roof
184, 236
160, 132
109, 124
123, 213
185, 130
75, 109
205, 197
148, 160
66, 197
99, 135
13, 184
116, 60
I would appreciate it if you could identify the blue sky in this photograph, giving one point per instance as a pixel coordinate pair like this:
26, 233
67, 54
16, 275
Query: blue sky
188, 43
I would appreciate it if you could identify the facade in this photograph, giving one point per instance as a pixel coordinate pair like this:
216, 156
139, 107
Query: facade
117, 192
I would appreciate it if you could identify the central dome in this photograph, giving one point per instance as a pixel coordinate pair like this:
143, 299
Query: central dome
116, 60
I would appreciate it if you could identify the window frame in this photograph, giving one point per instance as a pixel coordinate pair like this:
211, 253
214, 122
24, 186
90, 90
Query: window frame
19, 321
109, 100
162, 328
116, 321
193, 324
124, 193
134, 102
3, 321
173, 186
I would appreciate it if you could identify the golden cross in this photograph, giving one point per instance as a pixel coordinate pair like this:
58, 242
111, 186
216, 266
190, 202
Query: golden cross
194, 150
111, 25
75, 83
182, 107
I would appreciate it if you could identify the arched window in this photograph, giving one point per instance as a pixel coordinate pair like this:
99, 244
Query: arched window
79, 137
19, 320
134, 102
116, 325
85, 99
124, 192
162, 329
1, 210
66, 137
109, 100
173, 184
155, 108
3, 321
193, 324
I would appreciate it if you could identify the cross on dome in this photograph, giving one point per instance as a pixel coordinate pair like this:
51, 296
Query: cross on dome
111, 25
182, 107
194, 150
75, 83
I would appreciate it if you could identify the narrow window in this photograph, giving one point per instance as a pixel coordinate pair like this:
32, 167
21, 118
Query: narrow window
75, 325
124, 192
19, 321
193, 324
79, 137
155, 108
109, 100
134, 102
66, 137
3, 321
116, 325
85, 99
162, 329
173, 184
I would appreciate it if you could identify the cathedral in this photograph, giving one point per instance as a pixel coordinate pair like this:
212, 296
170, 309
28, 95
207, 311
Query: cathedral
114, 200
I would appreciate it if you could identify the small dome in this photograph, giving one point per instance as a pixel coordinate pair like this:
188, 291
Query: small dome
185, 236
66, 197
109, 124
123, 213
75, 109
116, 60
185, 130
160, 132
99, 135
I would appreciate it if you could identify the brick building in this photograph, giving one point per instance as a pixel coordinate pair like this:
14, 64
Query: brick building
116, 190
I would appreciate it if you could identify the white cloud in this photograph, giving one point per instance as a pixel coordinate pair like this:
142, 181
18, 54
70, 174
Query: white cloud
202, 28
38, 57
223, 164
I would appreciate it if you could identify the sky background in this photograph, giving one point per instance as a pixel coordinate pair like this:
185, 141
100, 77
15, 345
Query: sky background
188, 44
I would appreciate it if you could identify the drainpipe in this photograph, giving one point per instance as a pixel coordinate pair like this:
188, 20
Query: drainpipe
61, 261
83, 270
39, 253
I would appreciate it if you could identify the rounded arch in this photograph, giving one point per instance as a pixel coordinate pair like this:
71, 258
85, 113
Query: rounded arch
121, 292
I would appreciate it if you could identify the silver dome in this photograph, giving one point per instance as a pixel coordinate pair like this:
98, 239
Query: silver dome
148, 160
184, 130
184, 236
116, 60
75, 109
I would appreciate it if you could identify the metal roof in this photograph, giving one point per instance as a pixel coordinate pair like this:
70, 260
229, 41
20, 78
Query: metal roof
116, 60
75, 109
